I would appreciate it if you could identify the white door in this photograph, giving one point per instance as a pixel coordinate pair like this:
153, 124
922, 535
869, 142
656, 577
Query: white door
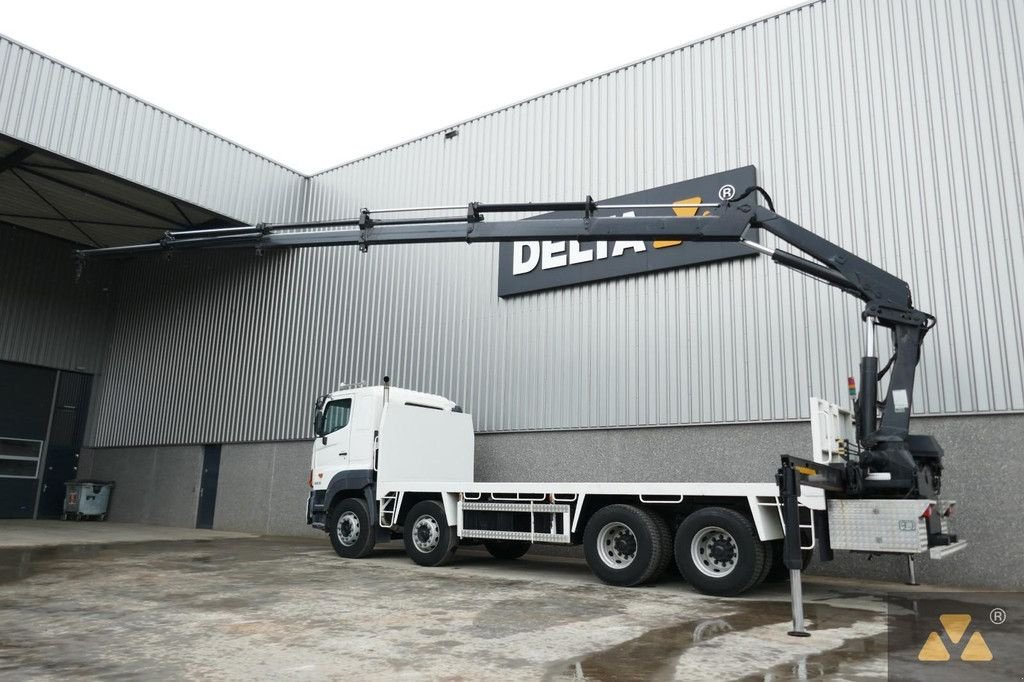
332, 447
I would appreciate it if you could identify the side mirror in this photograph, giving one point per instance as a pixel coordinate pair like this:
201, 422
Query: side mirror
318, 423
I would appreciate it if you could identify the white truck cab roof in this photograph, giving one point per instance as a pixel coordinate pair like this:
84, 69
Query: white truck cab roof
397, 395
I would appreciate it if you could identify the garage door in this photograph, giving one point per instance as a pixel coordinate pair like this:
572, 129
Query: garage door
42, 422
26, 396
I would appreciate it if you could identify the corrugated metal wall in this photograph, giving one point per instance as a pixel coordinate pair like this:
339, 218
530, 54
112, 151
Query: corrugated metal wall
54, 107
891, 128
46, 316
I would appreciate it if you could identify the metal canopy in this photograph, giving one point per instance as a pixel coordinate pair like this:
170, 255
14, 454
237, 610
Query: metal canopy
48, 193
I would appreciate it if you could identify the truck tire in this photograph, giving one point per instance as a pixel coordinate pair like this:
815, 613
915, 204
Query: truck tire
348, 524
624, 545
428, 539
507, 550
769, 561
666, 543
719, 552
777, 572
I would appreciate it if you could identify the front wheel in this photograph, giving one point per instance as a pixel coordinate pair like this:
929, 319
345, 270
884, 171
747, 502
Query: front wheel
719, 552
429, 540
348, 524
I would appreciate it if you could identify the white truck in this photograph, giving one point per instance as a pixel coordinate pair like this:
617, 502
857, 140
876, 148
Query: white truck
389, 463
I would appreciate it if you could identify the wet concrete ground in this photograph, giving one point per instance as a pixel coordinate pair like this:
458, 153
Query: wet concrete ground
41, 533
245, 608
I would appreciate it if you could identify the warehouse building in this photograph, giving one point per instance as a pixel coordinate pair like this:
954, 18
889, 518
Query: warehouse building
894, 129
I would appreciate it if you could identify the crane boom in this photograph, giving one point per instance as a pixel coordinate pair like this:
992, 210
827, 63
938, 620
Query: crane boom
911, 465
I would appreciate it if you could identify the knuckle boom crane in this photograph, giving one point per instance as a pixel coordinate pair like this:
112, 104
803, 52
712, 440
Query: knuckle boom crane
878, 476
913, 464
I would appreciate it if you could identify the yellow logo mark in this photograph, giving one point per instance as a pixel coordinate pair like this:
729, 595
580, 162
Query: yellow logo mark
682, 212
955, 625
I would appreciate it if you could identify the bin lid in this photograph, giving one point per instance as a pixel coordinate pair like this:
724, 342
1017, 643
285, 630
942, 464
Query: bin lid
87, 481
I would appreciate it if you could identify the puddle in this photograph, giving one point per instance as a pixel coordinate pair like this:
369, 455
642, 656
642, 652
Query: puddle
829, 663
21, 563
654, 654
16, 565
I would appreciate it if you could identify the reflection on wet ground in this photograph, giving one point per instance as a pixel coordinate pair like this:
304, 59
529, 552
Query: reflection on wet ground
281, 608
657, 654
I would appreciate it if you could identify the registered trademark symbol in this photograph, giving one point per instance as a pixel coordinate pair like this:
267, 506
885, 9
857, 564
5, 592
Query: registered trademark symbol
726, 192
997, 616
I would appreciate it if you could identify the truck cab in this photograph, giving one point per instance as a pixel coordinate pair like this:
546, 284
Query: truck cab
347, 428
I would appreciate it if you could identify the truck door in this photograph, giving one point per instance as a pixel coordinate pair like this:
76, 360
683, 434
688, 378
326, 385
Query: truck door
366, 414
332, 447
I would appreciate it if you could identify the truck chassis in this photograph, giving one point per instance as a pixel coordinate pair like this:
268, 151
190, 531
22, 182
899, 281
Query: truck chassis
631, 532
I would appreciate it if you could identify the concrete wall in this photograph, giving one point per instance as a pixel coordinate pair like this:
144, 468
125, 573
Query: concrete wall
984, 471
742, 452
262, 487
152, 485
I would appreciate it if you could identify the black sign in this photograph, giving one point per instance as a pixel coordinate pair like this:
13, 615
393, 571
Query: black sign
534, 266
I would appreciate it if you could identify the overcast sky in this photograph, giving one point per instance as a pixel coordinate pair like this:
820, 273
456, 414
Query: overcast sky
315, 84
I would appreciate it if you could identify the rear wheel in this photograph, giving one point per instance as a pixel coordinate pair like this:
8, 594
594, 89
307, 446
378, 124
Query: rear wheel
348, 524
624, 545
718, 552
429, 540
507, 550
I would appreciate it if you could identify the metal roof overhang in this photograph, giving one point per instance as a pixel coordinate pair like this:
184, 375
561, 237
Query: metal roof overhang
48, 193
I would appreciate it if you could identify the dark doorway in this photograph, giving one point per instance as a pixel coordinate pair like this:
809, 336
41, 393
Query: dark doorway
208, 486
67, 429
26, 399
42, 424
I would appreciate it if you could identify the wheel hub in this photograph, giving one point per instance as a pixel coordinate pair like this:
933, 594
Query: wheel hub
625, 545
348, 529
722, 551
616, 545
714, 552
426, 534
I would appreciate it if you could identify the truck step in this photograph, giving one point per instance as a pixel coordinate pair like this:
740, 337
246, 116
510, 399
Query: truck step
526, 520
516, 507
388, 506
562, 539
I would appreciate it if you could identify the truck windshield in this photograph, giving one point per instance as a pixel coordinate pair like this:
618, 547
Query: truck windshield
336, 415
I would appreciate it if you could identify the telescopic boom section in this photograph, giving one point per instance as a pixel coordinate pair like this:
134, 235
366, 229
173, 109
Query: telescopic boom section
884, 441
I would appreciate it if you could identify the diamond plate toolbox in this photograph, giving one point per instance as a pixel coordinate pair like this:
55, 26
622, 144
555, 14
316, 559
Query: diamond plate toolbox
878, 525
